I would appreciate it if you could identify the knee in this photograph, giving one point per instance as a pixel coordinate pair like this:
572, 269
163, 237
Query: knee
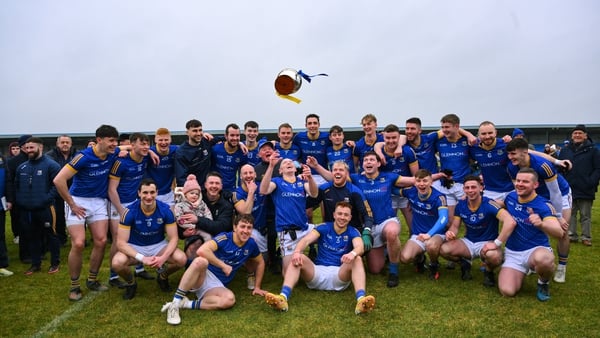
392, 233
227, 301
199, 263
99, 241
507, 291
77, 245
444, 250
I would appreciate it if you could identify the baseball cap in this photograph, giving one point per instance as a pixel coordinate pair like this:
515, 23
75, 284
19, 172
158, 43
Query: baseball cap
262, 143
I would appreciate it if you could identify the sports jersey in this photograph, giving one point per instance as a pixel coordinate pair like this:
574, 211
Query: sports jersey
425, 152
332, 246
258, 208
252, 155
492, 163
361, 147
401, 164
163, 173
526, 236
130, 173
378, 192
232, 255
454, 156
316, 147
293, 152
482, 223
344, 153
425, 209
546, 173
289, 199
91, 178
227, 164
147, 229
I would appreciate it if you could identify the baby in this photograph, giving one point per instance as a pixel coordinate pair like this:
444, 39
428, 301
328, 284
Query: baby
189, 201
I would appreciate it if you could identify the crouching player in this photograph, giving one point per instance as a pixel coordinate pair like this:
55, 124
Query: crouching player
481, 217
337, 264
217, 262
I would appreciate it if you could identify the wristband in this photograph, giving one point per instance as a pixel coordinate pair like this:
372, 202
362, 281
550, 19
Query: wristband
369, 229
498, 242
557, 162
139, 257
354, 254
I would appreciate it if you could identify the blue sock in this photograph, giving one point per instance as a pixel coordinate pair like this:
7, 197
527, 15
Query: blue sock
196, 304
360, 293
563, 259
113, 274
393, 268
286, 291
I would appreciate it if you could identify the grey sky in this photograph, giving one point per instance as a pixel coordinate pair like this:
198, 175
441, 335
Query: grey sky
69, 66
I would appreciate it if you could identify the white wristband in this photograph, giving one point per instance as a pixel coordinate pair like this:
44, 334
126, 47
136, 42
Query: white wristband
557, 162
354, 254
498, 242
139, 257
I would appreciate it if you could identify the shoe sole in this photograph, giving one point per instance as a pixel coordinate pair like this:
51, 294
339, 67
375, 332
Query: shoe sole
367, 305
274, 301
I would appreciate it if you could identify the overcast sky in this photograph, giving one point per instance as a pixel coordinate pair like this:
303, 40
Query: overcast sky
69, 66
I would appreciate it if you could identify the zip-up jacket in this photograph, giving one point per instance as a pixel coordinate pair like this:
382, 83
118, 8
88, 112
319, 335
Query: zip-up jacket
33, 183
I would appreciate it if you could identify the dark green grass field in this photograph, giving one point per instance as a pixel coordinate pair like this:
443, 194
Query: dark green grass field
37, 305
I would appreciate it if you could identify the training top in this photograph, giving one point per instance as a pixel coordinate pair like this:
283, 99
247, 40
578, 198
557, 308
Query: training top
525, 236
232, 255
147, 229
332, 246
91, 178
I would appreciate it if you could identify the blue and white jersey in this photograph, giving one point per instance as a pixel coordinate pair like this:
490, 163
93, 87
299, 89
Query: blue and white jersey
546, 173
259, 212
293, 152
455, 156
289, 199
361, 147
425, 152
525, 236
344, 153
492, 163
227, 164
332, 246
130, 173
163, 174
378, 192
233, 255
252, 156
425, 209
401, 164
91, 173
482, 223
316, 147
147, 229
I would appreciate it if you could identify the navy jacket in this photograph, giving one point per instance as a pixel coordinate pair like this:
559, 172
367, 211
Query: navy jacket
193, 160
585, 175
33, 183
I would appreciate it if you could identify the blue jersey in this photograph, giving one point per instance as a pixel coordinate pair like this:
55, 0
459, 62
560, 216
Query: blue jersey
130, 173
227, 164
316, 147
361, 147
401, 164
455, 156
332, 246
344, 153
492, 163
163, 174
425, 209
546, 173
289, 199
232, 255
147, 229
259, 211
91, 173
425, 152
252, 156
525, 236
293, 152
378, 192
482, 223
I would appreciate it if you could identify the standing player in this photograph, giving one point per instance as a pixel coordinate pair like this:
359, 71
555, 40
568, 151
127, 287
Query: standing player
194, 155
366, 143
338, 150
87, 203
163, 173
228, 157
251, 142
285, 147
313, 142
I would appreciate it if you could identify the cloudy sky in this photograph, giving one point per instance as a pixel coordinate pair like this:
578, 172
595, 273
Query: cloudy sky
69, 66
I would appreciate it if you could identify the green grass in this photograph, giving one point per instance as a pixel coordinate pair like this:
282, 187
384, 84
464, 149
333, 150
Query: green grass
37, 306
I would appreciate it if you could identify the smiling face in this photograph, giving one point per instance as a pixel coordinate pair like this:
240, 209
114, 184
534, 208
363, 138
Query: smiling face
242, 231
194, 135
162, 142
233, 137
472, 189
340, 173
147, 194
33, 150
342, 216
412, 131
312, 126
391, 140
369, 127
371, 164
423, 184
285, 135
525, 184
140, 147
213, 186
518, 157
487, 134
247, 173
106, 145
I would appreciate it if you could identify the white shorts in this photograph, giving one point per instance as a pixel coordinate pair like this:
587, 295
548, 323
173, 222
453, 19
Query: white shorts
567, 200
326, 278
413, 238
288, 245
399, 202
150, 250
495, 195
168, 198
113, 214
473, 247
519, 260
96, 209
260, 240
453, 195
210, 282
377, 231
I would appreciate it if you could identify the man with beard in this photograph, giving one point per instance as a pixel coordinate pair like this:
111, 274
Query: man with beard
35, 195
194, 155
228, 157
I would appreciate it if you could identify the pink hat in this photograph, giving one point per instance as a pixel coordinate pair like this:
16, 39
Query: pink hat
190, 184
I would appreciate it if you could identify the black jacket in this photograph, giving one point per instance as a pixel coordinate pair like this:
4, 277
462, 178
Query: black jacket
585, 175
222, 214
